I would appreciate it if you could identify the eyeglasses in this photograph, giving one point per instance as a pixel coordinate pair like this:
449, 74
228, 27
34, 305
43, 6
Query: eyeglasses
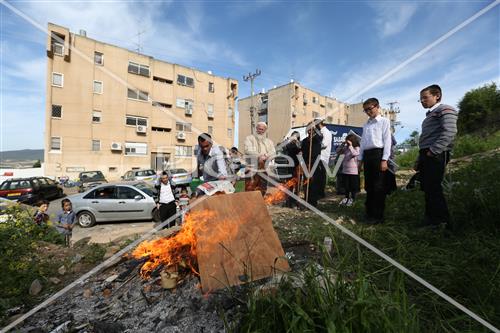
369, 109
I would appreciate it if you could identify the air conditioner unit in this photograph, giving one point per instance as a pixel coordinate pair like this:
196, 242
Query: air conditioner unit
189, 110
305, 101
181, 136
141, 129
116, 146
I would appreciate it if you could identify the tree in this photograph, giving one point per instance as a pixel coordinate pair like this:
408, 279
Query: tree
479, 109
37, 164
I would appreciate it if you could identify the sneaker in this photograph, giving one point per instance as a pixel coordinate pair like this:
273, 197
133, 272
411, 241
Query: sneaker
349, 203
343, 202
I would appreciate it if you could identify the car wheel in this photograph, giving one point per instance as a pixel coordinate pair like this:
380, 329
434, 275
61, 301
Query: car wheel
86, 219
155, 215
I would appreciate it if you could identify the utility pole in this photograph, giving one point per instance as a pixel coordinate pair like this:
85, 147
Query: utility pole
252, 77
393, 110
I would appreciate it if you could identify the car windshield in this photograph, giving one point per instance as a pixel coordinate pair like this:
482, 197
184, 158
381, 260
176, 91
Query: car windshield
91, 175
145, 188
175, 171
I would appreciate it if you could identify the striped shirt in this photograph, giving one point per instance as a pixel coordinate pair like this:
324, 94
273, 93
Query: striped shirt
439, 129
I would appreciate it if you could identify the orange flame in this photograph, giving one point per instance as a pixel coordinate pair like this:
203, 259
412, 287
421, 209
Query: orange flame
181, 248
280, 195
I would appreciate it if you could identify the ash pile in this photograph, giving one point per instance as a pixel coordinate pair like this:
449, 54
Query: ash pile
119, 300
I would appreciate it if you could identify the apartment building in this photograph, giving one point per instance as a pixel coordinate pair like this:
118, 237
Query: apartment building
293, 105
112, 109
287, 106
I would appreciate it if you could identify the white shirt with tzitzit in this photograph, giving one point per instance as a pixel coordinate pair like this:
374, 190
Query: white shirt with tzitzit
166, 195
327, 143
376, 134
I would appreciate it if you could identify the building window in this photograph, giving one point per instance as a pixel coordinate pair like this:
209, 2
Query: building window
160, 129
329, 105
136, 148
56, 111
329, 120
57, 79
210, 110
315, 100
134, 121
98, 87
57, 44
210, 130
185, 81
162, 80
184, 103
185, 127
96, 116
162, 105
137, 95
55, 143
98, 58
96, 145
229, 132
315, 114
183, 151
211, 87
138, 69
229, 112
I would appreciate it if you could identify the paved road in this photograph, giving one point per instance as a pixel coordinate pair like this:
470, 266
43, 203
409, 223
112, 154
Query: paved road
102, 232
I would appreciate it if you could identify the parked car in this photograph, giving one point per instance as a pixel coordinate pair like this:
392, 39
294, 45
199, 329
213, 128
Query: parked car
145, 175
89, 179
179, 177
114, 202
30, 190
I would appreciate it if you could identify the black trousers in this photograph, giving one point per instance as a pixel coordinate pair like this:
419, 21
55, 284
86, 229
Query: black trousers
166, 211
374, 183
315, 185
321, 179
431, 176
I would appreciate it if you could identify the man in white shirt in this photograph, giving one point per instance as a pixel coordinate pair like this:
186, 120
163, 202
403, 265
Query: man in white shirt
374, 153
210, 160
165, 200
326, 148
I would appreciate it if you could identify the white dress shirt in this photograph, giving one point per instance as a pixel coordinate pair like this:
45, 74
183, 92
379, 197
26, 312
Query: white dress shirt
434, 107
327, 143
166, 195
376, 134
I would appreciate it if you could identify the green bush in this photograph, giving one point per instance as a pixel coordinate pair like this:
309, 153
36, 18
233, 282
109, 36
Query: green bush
407, 160
469, 144
18, 245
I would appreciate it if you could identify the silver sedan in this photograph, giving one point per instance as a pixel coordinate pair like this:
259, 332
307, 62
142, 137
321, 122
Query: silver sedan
114, 202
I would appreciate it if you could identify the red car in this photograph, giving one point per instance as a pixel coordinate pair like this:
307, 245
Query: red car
30, 190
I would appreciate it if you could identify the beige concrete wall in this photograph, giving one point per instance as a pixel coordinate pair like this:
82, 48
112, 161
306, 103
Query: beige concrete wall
78, 100
357, 117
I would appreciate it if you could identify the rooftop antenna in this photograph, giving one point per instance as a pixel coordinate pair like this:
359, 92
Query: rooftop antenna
139, 47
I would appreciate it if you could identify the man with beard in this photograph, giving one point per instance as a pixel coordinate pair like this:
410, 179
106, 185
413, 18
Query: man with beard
258, 149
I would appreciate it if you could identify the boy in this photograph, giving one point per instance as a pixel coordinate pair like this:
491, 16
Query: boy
41, 217
374, 153
66, 221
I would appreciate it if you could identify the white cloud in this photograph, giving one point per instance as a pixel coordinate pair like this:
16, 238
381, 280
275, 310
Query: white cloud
392, 18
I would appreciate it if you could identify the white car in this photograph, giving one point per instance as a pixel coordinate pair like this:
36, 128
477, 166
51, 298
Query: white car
114, 202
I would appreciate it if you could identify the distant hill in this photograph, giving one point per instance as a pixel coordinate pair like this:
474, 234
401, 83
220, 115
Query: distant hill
22, 155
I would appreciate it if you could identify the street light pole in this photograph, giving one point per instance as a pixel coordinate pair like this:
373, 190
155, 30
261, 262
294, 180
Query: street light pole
252, 77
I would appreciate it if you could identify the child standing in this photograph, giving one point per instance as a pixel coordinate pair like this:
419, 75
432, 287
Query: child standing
183, 202
41, 217
66, 221
350, 169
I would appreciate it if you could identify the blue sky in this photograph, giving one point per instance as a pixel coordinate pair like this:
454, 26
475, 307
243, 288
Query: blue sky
333, 47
